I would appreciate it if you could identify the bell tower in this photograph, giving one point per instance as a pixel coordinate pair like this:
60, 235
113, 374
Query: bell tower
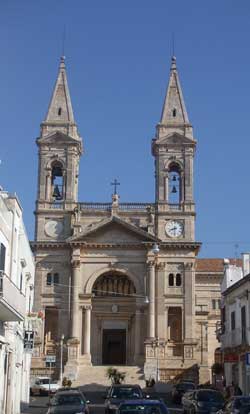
60, 148
173, 149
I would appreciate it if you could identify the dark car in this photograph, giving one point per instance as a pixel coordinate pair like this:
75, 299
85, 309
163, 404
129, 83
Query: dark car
68, 402
120, 392
143, 407
203, 401
240, 405
180, 389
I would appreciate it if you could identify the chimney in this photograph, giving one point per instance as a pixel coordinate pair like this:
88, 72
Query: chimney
246, 263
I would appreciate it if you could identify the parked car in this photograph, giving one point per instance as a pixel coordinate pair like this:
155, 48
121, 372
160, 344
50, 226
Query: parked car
43, 386
180, 389
68, 402
120, 392
142, 407
236, 405
203, 401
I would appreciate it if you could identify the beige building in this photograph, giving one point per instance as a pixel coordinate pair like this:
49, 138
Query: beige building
121, 281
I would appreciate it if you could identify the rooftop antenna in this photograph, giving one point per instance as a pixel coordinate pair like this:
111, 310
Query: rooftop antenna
236, 252
63, 40
173, 44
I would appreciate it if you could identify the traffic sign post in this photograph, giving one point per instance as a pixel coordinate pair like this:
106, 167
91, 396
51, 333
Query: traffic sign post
50, 359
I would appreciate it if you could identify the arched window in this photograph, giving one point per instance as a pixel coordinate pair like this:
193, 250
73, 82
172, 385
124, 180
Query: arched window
171, 279
174, 112
178, 279
174, 184
113, 284
57, 181
59, 111
49, 279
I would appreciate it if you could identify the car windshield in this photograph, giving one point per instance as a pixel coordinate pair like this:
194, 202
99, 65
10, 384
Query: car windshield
68, 399
210, 396
242, 402
185, 386
142, 408
44, 381
125, 392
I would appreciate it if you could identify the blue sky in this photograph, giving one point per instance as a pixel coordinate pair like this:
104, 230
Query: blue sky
118, 56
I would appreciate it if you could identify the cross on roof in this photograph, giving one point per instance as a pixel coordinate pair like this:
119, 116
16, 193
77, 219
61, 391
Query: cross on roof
115, 184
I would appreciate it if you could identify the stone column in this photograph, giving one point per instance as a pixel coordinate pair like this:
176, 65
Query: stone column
167, 330
48, 186
87, 330
137, 335
151, 308
189, 304
75, 308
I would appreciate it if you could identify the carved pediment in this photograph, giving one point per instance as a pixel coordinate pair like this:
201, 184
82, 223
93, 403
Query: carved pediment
58, 137
113, 230
175, 139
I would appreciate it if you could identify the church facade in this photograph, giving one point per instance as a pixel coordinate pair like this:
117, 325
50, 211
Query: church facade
121, 282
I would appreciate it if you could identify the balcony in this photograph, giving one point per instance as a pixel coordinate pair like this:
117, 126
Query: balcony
234, 338
12, 301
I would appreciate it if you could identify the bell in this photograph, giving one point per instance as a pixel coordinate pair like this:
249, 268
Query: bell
56, 193
174, 178
174, 189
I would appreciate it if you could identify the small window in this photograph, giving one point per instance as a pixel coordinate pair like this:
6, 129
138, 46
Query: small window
56, 279
59, 111
2, 256
213, 303
21, 282
232, 321
174, 112
49, 279
178, 279
171, 279
52, 279
219, 303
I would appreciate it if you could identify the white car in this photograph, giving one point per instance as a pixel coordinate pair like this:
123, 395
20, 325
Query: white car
43, 386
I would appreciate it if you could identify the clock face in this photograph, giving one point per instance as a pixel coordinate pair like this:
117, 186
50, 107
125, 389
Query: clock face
174, 228
53, 228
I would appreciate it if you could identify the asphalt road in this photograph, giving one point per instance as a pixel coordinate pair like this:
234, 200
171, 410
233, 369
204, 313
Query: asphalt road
38, 405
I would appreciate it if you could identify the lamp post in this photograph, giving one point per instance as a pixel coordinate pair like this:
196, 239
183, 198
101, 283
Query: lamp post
157, 344
61, 359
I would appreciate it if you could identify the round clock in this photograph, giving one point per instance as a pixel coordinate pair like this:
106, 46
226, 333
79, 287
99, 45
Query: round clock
174, 228
53, 228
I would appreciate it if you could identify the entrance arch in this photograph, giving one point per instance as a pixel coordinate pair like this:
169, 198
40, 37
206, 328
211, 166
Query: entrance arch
113, 314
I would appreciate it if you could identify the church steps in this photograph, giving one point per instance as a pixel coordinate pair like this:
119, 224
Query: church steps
94, 377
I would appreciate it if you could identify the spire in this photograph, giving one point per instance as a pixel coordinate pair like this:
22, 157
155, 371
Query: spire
174, 110
60, 107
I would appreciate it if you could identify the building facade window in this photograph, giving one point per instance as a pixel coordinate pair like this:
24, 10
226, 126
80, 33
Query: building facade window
171, 279
52, 279
174, 279
178, 279
232, 321
2, 256
243, 324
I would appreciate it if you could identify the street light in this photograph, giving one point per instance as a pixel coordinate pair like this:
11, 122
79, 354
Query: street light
61, 359
157, 344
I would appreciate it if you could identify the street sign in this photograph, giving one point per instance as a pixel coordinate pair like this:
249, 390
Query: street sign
28, 341
247, 358
50, 359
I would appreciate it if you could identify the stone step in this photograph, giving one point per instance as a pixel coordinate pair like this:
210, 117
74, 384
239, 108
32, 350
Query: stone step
94, 377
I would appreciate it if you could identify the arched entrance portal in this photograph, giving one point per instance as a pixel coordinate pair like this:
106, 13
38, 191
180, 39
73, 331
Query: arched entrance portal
113, 310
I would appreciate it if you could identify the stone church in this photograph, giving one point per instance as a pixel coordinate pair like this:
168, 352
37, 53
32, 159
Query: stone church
121, 282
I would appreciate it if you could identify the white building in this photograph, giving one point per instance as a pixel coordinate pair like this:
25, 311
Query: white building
235, 330
16, 301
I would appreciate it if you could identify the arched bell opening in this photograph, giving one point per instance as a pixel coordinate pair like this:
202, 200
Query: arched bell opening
174, 184
113, 325
57, 181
